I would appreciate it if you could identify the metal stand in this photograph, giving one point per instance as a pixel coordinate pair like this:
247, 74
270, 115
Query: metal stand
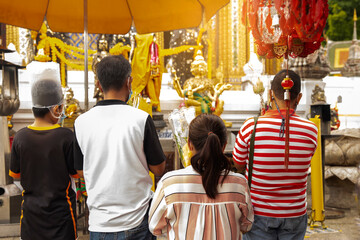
10, 200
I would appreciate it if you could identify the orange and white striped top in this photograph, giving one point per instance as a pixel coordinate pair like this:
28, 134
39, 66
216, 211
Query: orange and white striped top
182, 209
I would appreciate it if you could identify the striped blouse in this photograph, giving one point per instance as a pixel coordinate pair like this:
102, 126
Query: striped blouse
182, 209
275, 191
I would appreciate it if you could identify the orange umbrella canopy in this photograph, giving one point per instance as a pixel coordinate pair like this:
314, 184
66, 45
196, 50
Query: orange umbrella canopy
108, 16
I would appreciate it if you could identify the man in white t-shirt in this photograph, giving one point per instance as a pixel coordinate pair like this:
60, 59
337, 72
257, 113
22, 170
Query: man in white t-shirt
116, 146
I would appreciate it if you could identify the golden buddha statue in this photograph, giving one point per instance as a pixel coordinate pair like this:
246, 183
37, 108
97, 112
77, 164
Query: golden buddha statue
72, 106
200, 91
102, 51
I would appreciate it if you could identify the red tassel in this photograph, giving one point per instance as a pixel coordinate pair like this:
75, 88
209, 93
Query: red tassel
287, 84
287, 134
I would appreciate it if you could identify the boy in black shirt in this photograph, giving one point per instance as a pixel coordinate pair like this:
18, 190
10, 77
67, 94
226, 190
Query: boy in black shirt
42, 158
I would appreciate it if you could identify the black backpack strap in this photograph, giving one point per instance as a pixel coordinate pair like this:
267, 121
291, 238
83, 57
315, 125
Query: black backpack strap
251, 153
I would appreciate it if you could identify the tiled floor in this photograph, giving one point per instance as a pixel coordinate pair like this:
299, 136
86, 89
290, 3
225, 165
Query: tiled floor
344, 228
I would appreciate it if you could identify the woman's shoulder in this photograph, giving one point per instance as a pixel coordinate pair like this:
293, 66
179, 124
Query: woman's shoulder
188, 171
232, 173
237, 176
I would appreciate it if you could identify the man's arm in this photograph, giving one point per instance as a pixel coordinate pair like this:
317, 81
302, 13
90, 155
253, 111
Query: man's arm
15, 178
240, 168
14, 170
240, 151
155, 156
78, 157
80, 173
247, 216
69, 156
159, 169
157, 213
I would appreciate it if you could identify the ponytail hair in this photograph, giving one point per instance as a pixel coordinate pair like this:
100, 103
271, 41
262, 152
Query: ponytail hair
207, 133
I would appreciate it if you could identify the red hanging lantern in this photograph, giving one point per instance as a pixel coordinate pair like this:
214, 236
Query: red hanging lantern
286, 28
299, 22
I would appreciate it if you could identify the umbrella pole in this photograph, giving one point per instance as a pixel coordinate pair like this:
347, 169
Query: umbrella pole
86, 79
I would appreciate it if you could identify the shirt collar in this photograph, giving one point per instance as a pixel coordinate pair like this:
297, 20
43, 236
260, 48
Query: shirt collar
275, 113
44, 128
110, 102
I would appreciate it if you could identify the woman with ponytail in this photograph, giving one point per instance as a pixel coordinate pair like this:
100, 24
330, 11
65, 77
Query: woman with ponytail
205, 200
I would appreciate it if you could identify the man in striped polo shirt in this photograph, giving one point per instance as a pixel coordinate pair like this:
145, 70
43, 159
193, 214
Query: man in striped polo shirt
278, 194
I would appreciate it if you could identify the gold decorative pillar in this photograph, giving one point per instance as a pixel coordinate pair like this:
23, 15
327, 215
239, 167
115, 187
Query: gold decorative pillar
160, 41
273, 66
224, 42
212, 46
12, 36
233, 42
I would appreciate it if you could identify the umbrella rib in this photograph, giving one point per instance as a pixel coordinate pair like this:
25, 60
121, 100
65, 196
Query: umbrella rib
47, 7
132, 18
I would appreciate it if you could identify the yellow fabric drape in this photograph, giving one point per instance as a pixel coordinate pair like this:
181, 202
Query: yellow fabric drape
153, 90
141, 71
141, 62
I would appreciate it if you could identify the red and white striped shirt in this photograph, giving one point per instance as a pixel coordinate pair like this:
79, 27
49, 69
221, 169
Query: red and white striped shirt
275, 191
182, 209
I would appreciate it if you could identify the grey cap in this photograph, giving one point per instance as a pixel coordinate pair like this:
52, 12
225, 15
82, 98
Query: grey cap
46, 93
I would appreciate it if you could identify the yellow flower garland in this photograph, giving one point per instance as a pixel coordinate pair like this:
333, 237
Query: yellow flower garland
51, 45
177, 50
62, 74
42, 58
120, 49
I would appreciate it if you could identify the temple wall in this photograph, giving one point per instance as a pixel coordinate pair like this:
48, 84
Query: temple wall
349, 90
239, 105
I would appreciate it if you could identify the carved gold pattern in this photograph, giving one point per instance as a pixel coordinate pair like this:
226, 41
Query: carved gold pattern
160, 41
12, 36
273, 66
233, 55
210, 28
26, 46
223, 46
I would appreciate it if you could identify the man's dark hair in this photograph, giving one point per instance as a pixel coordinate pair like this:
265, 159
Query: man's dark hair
279, 90
40, 112
112, 72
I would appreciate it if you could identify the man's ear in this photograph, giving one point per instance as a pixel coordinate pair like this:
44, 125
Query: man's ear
129, 82
58, 108
272, 94
298, 98
98, 85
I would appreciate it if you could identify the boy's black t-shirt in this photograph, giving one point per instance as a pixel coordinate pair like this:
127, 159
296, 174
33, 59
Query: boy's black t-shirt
43, 159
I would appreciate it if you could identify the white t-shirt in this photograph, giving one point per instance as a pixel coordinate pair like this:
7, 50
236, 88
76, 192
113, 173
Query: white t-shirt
114, 145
